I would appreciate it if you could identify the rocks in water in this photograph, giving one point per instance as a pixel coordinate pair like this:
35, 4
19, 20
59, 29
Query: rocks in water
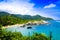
29, 27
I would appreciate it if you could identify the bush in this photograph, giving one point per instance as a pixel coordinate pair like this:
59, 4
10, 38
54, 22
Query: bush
8, 35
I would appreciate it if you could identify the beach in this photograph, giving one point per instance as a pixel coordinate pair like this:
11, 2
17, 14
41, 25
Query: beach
30, 23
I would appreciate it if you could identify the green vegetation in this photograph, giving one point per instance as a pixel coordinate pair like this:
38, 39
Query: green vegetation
36, 17
9, 19
8, 35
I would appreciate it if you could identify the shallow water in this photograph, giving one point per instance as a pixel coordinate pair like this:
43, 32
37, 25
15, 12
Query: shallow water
53, 27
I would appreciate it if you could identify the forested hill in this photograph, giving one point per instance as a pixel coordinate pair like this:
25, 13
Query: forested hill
10, 19
36, 17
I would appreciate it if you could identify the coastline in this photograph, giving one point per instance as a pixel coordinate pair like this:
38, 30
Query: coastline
30, 23
9, 26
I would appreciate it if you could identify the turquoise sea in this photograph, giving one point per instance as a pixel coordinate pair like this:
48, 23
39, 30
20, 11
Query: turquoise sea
53, 26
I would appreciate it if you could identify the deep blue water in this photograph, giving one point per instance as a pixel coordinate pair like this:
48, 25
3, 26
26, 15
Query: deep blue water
53, 26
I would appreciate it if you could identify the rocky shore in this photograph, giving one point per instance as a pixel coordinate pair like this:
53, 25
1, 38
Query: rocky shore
30, 23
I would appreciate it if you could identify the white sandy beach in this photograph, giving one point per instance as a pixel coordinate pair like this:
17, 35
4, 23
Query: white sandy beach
9, 26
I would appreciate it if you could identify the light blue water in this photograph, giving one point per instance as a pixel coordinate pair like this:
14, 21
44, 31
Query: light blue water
53, 27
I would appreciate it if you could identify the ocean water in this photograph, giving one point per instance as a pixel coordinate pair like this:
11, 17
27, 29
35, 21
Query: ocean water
53, 26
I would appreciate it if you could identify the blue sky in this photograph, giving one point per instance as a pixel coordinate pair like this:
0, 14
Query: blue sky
46, 8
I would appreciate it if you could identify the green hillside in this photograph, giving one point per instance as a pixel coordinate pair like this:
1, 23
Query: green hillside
36, 17
11, 19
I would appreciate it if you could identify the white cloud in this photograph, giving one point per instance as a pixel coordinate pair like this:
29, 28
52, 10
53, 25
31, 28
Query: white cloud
18, 7
23, 7
50, 6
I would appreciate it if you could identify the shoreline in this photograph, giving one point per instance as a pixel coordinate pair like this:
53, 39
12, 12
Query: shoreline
9, 26
36, 22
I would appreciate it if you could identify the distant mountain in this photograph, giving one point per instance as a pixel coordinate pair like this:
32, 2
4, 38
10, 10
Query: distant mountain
36, 17
26, 17
4, 13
